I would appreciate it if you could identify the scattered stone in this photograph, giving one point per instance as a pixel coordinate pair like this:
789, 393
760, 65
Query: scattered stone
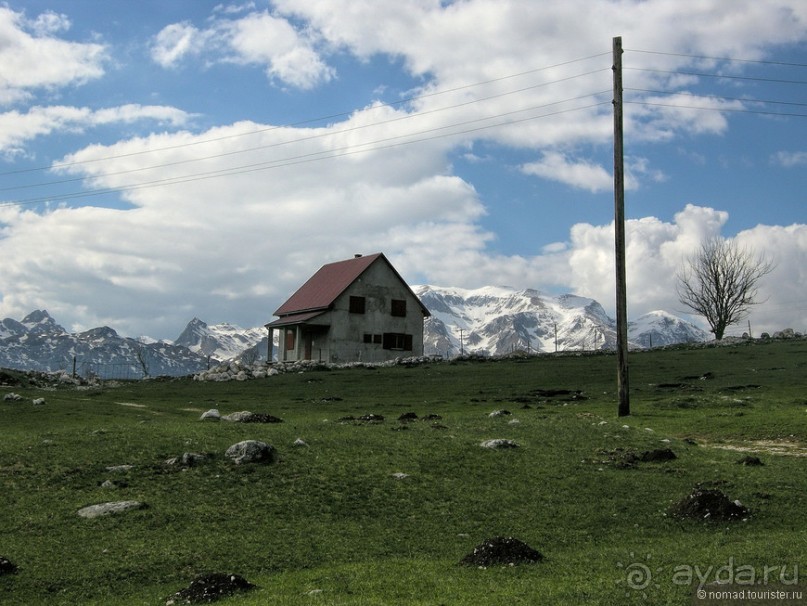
399, 475
246, 416
709, 504
188, 459
7, 566
750, 461
120, 468
347, 419
211, 415
237, 417
499, 444
407, 417
111, 508
251, 451
431, 417
502, 551
372, 418
500, 413
12, 397
113, 484
300, 443
208, 588
39, 401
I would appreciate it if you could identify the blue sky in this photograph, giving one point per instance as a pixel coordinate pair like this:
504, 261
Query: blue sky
165, 160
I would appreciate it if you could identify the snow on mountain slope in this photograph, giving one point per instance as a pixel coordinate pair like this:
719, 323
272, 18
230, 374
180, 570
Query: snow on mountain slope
220, 341
499, 320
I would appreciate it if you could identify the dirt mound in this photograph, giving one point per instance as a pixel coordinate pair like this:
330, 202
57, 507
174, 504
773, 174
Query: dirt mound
750, 461
261, 417
656, 455
208, 588
407, 417
709, 504
501, 551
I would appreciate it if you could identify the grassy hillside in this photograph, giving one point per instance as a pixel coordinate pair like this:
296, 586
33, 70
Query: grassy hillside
330, 523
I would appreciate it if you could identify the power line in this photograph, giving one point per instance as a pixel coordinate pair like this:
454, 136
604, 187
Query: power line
291, 141
310, 120
724, 59
717, 97
715, 75
316, 156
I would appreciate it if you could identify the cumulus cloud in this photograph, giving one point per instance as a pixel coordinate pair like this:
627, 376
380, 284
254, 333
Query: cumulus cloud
288, 55
32, 58
16, 128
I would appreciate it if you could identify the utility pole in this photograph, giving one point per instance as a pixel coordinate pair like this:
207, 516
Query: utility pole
619, 239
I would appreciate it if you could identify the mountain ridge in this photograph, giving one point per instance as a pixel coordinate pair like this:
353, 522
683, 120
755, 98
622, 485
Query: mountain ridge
492, 320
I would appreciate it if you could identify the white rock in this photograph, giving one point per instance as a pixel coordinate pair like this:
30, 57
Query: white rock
210, 415
251, 451
105, 509
498, 443
39, 401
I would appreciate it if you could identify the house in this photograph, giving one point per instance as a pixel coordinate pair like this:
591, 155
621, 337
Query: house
355, 310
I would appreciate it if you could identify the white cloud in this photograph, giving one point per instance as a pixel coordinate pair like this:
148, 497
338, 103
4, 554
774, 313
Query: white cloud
16, 128
174, 42
259, 38
31, 58
790, 159
556, 166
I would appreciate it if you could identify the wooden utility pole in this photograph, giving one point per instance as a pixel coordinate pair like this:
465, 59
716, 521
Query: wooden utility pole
619, 239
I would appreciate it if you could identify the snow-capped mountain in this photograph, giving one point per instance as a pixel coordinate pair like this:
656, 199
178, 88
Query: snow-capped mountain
659, 328
220, 341
489, 320
499, 320
39, 343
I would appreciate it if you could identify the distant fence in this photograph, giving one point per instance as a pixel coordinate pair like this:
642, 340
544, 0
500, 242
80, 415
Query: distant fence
107, 371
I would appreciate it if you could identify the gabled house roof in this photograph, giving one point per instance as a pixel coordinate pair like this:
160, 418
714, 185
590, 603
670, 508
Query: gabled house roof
320, 291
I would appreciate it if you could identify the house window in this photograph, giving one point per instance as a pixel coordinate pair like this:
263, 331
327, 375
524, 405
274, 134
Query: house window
357, 305
377, 339
368, 338
399, 307
400, 341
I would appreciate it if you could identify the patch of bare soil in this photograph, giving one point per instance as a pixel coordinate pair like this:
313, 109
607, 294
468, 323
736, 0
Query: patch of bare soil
7, 566
501, 551
709, 504
773, 447
626, 458
208, 588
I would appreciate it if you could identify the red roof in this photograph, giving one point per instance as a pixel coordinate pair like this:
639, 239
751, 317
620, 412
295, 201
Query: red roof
323, 287
330, 281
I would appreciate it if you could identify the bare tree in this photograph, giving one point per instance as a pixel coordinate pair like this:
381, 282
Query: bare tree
720, 283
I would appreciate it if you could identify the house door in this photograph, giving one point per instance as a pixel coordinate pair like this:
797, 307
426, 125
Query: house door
307, 344
288, 350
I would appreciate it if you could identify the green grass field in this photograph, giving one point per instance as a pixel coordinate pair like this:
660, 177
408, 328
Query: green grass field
330, 524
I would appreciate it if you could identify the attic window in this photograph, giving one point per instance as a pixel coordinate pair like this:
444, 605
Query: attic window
357, 305
399, 308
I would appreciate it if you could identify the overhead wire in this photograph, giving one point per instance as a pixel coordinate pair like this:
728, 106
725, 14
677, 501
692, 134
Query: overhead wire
330, 133
310, 120
321, 155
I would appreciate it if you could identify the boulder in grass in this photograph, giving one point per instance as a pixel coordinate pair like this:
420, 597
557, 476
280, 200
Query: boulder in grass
7, 566
251, 451
107, 509
188, 459
498, 444
500, 413
208, 588
709, 504
502, 551
211, 415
